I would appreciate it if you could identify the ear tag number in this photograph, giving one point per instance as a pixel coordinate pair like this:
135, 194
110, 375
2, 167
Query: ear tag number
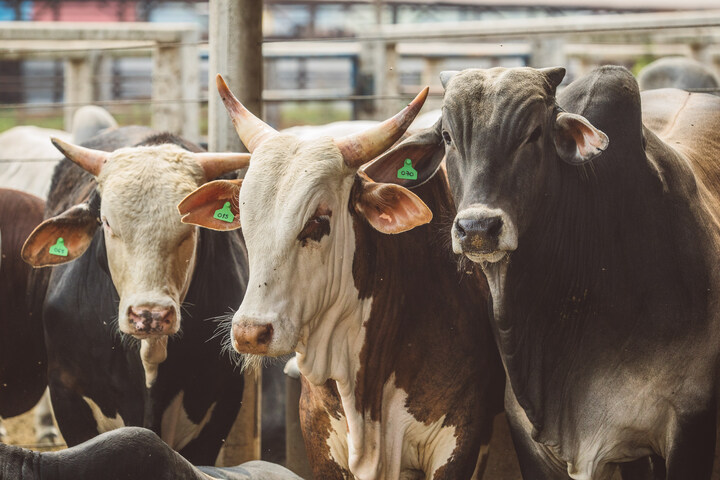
407, 172
59, 248
225, 214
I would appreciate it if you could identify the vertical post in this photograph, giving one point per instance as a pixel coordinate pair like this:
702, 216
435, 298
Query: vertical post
236, 53
391, 83
243, 442
547, 52
175, 86
296, 458
78, 86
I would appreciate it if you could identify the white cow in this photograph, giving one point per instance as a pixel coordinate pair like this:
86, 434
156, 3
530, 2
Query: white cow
28, 158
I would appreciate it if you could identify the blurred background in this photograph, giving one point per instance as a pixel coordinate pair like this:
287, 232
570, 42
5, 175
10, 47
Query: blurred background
323, 60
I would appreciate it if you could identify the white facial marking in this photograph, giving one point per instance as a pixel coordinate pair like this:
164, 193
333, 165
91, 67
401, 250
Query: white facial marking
177, 430
104, 424
151, 254
293, 283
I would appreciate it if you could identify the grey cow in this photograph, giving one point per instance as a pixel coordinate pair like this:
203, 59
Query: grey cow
594, 215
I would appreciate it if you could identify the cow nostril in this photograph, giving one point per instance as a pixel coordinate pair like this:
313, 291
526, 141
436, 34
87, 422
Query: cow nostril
493, 226
265, 334
460, 228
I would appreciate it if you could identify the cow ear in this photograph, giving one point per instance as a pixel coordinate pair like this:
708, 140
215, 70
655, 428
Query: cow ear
61, 239
213, 205
412, 162
446, 76
390, 208
554, 75
577, 141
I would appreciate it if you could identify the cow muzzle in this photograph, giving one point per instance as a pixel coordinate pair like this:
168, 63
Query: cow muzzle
255, 339
483, 234
146, 320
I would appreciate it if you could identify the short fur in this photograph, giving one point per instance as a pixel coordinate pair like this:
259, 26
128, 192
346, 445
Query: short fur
23, 361
606, 313
88, 357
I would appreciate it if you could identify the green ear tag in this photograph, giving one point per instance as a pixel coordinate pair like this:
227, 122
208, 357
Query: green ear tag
224, 214
59, 248
407, 172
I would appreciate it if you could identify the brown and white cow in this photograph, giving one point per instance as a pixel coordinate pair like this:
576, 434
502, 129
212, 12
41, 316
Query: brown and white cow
401, 378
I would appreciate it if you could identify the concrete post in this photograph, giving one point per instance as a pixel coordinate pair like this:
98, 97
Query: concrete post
390, 85
79, 86
295, 453
547, 52
243, 441
175, 87
236, 53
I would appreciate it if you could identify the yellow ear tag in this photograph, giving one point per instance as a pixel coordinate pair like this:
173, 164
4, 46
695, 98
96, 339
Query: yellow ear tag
59, 248
407, 172
224, 213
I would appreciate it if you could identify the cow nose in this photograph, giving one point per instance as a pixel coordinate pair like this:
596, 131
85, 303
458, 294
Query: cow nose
149, 320
252, 338
478, 234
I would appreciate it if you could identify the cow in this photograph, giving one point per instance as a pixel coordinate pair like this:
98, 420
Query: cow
599, 238
22, 353
678, 72
126, 453
400, 375
28, 157
129, 303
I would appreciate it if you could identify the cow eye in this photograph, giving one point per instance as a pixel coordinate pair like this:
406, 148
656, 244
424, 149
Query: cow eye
317, 227
107, 226
446, 137
535, 134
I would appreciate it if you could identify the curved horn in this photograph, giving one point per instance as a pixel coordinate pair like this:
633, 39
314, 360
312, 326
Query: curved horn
362, 147
216, 164
251, 130
86, 158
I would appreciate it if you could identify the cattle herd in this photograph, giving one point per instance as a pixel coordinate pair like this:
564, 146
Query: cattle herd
548, 256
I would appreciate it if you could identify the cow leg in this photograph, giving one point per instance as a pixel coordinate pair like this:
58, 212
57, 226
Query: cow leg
74, 416
3, 432
45, 431
692, 449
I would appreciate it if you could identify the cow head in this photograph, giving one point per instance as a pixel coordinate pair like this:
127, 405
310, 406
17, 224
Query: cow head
296, 207
150, 253
503, 135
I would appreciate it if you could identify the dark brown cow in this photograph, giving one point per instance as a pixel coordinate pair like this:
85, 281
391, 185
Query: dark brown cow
23, 364
401, 378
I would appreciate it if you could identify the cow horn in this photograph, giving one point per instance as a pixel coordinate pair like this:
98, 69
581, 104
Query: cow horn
88, 159
251, 130
362, 147
216, 164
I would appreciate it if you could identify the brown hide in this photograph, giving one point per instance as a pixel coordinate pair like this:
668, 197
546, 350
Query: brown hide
428, 326
22, 348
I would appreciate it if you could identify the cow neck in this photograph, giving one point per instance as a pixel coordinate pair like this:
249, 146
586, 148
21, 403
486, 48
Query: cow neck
402, 283
592, 267
330, 345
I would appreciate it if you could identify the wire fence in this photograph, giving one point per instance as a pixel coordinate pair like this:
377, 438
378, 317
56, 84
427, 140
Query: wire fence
15, 83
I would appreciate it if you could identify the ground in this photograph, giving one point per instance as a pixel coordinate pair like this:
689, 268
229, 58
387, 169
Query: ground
21, 433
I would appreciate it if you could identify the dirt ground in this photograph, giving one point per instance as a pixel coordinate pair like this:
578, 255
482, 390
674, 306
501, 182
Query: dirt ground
21, 433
